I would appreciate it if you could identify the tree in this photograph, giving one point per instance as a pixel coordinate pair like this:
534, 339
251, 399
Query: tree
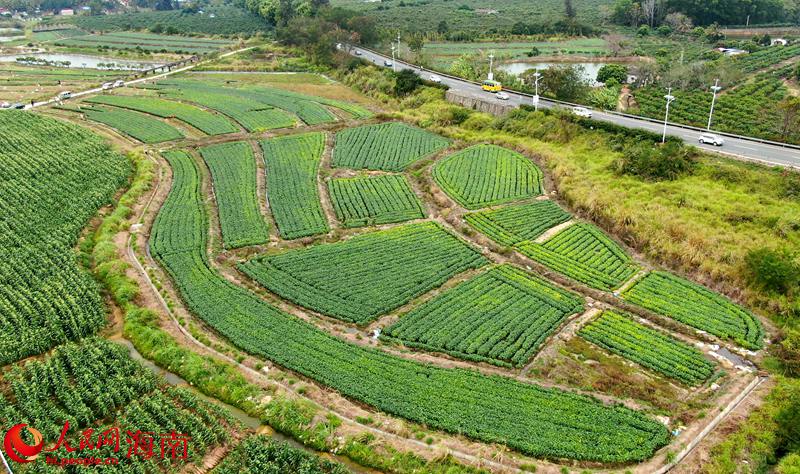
649, 161
649, 11
679, 22
366, 27
564, 82
442, 28
164, 5
617, 72
790, 113
772, 270
569, 9
416, 42
406, 82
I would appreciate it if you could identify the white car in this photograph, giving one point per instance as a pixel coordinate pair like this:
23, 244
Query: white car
119, 84
5, 105
358, 53
582, 112
65, 95
387, 63
436, 79
502, 95
107, 86
711, 139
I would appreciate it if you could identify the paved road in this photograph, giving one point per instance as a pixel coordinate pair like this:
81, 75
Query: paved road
746, 149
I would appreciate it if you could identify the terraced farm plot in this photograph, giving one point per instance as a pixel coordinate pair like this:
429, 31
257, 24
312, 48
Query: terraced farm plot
387, 146
542, 422
512, 225
310, 109
648, 347
55, 177
233, 170
260, 454
371, 274
147, 42
292, 163
696, 306
487, 175
585, 254
502, 316
144, 128
375, 200
200, 119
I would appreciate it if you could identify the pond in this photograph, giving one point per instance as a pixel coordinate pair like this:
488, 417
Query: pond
517, 68
78, 61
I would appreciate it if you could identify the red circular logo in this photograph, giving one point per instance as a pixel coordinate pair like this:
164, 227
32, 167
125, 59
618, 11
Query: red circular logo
19, 450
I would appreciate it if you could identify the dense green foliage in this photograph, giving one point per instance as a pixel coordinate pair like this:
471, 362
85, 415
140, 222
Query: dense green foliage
374, 273
97, 384
585, 254
146, 42
696, 306
666, 161
233, 173
291, 164
55, 177
648, 347
144, 128
374, 200
226, 20
200, 119
773, 270
260, 454
389, 146
487, 175
616, 72
542, 422
502, 316
512, 225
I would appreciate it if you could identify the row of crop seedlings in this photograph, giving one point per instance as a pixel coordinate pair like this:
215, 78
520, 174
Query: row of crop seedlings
233, 172
138, 126
376, 272
502, 316
648, 347
364, 201
390, 146
252, 116
585, 254
96, 386
206, 122
538, 421
56, 176
487, 175
292, 163
696, 306
767, 57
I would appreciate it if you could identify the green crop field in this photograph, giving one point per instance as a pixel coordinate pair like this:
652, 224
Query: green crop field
97, 384
375, 273
487, 175
502, 316
442, 54
375, 200
200, 119
386, 146
258, 454
542, 422
145, 41
583, 253
291, 164
56, 176
233, 172
696, 306
512, 225
142, 127
215, 20
648, 347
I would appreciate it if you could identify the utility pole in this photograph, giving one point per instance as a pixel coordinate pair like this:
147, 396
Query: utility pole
536, 76
394, 61
715, 88
491, 60
398, 45
669, 98
5, 463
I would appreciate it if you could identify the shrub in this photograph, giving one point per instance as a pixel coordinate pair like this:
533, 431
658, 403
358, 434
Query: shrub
613, 71
406, 82
666, 161
772, 270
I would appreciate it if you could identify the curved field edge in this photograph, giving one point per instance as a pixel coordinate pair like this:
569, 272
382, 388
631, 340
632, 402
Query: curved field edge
541, 422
